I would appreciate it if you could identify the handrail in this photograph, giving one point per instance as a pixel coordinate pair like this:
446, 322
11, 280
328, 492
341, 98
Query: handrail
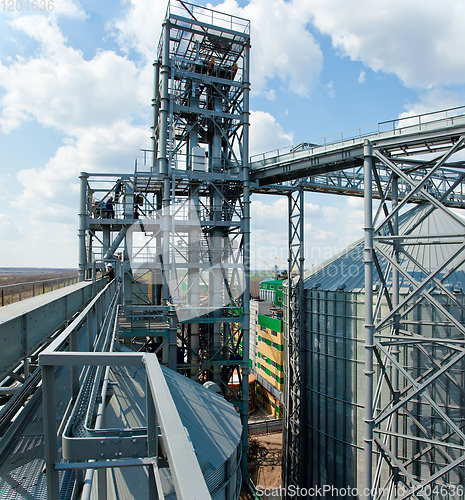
130, 446
71, 280
376, 130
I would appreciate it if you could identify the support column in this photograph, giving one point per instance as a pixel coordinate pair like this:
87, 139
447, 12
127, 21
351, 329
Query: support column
156, 95
82, 226
50, 432
292, 442
172, 339
89, 273
246, 232
369, 326
395, 349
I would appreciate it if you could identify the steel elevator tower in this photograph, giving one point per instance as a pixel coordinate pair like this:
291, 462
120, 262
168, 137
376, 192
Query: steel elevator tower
184, 217
201, 146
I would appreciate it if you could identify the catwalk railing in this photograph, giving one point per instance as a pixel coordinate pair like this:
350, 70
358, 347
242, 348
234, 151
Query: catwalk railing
131, 447
436, 120
20, 291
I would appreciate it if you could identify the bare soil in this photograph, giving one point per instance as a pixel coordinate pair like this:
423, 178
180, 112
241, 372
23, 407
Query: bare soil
265, 466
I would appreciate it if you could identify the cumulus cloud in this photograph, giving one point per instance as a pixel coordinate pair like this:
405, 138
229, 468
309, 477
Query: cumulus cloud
324, 232
44, 195
273, 211
69, 93
433, 100
416, 40
266, 133
283, 47
140, 29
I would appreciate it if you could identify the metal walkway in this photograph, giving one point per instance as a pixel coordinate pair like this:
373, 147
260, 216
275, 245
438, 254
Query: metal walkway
335, 164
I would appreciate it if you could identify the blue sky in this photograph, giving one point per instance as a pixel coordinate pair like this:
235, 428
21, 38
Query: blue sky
76, 84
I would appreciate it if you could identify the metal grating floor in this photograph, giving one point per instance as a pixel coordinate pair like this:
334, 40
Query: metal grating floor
22, 475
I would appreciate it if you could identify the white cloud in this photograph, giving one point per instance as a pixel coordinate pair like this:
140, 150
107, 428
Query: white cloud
141, 27
312, 210
51, 193
266, 134
330, 89
354, 217
272, 211
417, 40
8, 229
321, 235
283, 47
331, 213
4, 194
68, 92
362, 77
43, 245
271, 95
433, 100
67, 8
354, 202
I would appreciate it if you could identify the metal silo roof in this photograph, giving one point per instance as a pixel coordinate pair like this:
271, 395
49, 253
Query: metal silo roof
213, 426
345, 271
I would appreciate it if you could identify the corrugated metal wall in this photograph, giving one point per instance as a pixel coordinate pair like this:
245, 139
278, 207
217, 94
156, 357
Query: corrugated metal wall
334, 389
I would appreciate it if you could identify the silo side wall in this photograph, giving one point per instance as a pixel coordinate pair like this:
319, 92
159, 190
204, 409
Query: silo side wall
334, 384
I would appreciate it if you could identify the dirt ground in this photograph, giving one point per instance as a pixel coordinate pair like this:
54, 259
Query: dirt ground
263, 474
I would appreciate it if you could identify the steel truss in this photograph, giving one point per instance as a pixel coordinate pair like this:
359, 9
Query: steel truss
201, 145
294, 348
414, 365
350, 182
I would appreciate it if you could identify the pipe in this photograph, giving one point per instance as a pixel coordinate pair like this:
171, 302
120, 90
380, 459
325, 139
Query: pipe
246, 230
156, 92
369, 326
82, 226
164, 99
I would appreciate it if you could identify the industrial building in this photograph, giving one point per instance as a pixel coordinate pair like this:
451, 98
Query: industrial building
372, 392
267, 350
271, 290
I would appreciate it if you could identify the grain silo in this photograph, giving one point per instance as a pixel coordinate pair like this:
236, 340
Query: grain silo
333, 379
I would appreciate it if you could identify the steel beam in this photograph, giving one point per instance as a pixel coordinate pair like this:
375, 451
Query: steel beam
369, 320
295, 346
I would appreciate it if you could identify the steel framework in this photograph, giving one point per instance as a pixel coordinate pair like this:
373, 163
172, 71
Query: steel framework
388, 163
294, 348
415, 411
183, 258
201, 144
